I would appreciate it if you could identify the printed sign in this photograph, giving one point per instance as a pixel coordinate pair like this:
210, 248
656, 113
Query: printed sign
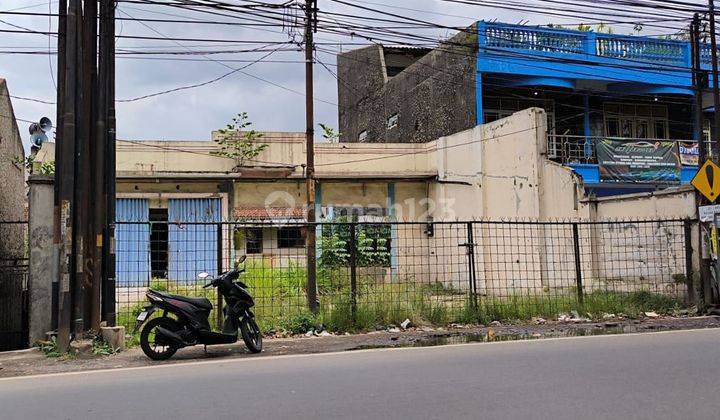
689, 154
707, 213
638, 161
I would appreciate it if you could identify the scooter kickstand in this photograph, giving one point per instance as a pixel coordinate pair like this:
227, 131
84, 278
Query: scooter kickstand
206, 349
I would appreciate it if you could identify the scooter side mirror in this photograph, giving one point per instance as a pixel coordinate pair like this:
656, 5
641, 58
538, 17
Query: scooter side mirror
203, 275
240, 261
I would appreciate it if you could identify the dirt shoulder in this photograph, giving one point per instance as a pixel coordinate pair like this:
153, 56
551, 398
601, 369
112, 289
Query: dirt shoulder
34, 362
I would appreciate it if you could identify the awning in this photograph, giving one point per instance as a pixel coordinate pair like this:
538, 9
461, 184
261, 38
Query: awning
529, 81
648, 89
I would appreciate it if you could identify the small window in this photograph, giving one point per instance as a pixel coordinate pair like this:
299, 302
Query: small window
254, 240
661, 131
612, 127
626, 128
362, 136
392, 122
159, 243
642, 128
290, 237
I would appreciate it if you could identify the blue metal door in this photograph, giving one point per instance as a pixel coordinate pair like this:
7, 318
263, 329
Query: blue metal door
192, 248
132, 243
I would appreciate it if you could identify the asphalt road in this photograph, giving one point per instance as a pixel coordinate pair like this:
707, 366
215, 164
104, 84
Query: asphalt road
673, 375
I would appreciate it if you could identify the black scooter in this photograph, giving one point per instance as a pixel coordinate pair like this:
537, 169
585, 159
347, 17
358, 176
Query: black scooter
162, 336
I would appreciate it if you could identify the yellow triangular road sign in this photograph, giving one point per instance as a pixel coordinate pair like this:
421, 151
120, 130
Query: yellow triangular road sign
707, 180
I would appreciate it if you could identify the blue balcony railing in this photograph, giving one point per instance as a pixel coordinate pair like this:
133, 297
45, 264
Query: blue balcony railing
591, 45
648, 50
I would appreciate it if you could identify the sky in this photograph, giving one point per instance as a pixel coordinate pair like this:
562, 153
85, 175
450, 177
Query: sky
192, 114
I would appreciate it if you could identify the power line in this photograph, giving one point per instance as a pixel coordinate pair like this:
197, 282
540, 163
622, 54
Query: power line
196, 85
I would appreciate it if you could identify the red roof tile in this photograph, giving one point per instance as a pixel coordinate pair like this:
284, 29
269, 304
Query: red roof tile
263, 213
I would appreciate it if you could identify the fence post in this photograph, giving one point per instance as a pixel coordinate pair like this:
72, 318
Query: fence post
687, 225
353, 271
219, 308
471, 264
578, 264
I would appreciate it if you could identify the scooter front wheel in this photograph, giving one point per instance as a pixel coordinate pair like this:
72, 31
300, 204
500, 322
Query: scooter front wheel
251, 334
152, 345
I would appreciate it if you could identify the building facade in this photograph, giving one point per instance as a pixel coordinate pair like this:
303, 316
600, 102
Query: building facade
592, 86
173, 196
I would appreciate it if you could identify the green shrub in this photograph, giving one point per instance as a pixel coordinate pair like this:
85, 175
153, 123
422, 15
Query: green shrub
298, 323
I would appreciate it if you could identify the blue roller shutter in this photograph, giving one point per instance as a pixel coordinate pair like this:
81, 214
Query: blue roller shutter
132, 243
192, 248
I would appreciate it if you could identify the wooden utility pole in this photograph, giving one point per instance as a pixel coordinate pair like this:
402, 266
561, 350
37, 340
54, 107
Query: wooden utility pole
59, 143
84, 177
85, 174
310, 28
65, 173
104, 171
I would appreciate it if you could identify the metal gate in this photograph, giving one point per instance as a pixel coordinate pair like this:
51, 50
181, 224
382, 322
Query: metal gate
13, 286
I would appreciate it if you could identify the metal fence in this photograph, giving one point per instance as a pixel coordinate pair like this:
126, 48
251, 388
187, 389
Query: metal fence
13, 285
381, 273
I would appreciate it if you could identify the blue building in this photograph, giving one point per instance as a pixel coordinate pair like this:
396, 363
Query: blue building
593, 86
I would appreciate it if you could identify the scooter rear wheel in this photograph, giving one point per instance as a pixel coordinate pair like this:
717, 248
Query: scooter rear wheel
251, 334
151, 346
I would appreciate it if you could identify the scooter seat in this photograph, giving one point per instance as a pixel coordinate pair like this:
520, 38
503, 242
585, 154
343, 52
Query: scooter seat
199, 302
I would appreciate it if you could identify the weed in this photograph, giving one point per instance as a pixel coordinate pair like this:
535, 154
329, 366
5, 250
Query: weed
101, 348
298, 323
50, 348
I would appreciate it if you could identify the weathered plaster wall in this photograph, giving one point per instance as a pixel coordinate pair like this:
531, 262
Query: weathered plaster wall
644, 252
13, 198
42, 257
499, 171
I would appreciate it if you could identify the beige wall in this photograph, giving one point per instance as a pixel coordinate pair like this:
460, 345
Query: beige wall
499, 170
678, 202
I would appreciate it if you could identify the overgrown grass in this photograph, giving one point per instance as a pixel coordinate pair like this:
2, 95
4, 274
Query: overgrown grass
281, 301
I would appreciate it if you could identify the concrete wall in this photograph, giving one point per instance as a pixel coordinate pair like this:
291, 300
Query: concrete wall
12, 180
42, 257
677, 202
499, 171
644, 254
433, 97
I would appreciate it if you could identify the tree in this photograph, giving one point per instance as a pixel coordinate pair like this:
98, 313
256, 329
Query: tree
44, 168
602, 28
330, 134
239, 141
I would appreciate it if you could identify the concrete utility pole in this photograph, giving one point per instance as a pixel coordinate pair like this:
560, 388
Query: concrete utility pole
310, 28
699, 82
715, 131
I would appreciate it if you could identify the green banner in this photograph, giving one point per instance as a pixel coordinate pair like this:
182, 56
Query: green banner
639, 161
